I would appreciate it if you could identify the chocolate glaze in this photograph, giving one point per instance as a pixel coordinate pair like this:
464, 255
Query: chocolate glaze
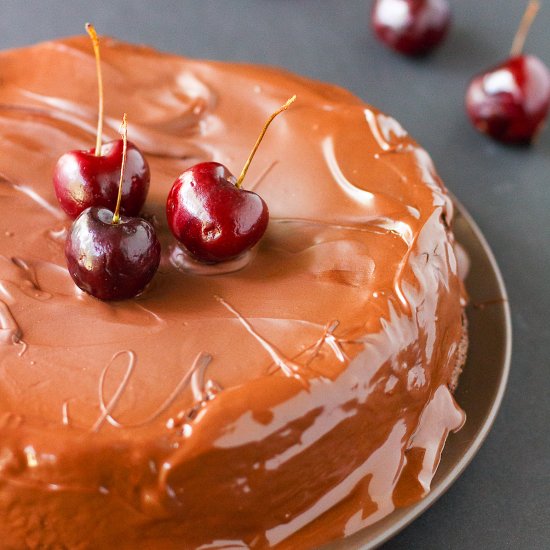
294, 397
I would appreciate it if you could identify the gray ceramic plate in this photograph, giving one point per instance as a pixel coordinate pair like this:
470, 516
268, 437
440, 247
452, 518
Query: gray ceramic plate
481, 384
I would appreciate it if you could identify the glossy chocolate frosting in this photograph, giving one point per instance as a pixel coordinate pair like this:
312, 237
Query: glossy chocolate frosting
284, 399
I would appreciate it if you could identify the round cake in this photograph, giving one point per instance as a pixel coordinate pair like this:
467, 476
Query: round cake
283, 399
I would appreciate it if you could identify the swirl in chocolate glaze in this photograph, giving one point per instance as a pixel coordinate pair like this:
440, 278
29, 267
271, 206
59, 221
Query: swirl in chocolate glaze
327, 399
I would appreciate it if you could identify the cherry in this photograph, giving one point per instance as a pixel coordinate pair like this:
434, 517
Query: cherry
411, 27
111, 256
211, 215
83, 179
90, 177
510, 102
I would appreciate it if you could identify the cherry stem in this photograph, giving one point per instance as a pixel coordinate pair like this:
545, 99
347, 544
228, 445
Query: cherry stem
240, 179
95, 41
124, 133
523, 30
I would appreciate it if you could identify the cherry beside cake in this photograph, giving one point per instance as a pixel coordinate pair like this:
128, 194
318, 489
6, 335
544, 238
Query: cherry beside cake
284, 398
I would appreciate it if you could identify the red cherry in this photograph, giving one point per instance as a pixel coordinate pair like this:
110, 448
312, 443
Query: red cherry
81, 179
111, 261
510, 102
211, 215
109, 256
411, 27
90, 177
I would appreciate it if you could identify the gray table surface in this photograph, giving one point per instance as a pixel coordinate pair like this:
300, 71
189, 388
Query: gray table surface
503, 498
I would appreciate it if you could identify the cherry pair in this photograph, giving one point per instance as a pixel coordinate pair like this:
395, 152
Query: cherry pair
509, 102
113, 254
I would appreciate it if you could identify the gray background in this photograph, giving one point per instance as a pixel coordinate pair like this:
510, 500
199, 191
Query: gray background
502, 500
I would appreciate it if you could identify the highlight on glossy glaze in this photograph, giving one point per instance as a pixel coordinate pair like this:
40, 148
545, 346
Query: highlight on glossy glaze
285, 401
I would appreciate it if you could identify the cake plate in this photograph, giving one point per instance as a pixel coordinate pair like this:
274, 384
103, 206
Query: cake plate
481, 385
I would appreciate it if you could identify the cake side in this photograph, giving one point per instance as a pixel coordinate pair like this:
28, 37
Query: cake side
295, 399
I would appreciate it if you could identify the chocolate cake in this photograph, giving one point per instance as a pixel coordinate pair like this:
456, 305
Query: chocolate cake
283, 399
